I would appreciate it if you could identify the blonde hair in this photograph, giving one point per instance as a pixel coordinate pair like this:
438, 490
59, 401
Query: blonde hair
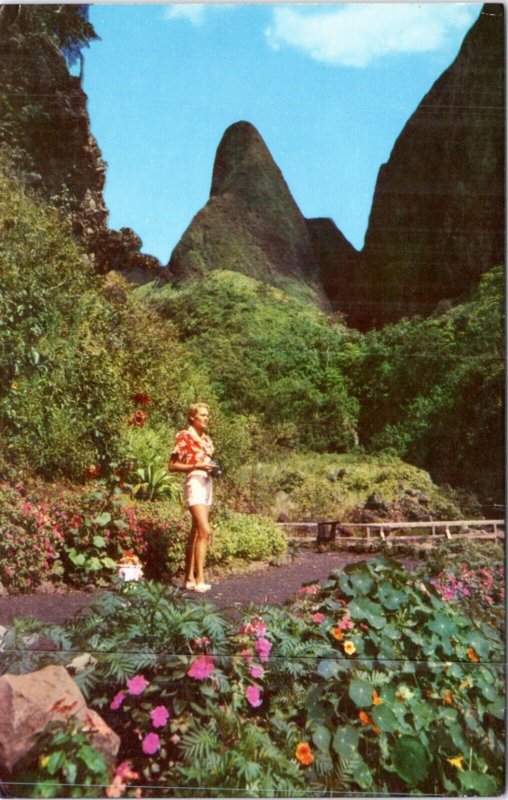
194, 408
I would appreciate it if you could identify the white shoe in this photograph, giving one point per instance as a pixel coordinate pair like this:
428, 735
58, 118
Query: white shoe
189, 585
202, 587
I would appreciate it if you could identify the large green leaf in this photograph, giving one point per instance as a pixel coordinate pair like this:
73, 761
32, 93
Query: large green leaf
485, 785
360, 578
390, 598
442, 625
345, 741
410, 760
360, 693
321, 737
328, 668
384, 718
366, 609
102, 519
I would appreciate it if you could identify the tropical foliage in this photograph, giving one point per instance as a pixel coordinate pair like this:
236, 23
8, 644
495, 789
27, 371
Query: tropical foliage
371, 681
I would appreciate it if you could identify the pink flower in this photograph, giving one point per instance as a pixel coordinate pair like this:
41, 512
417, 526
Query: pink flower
263, 647
253, 695
117, 701
247, 655
137, 685
201, 668
124, 770
159, 716
257, 672
151, 743
202, 641
254, 628
318, 617
309, 589
345, 624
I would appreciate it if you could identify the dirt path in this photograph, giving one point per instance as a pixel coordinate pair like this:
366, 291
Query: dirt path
271, 585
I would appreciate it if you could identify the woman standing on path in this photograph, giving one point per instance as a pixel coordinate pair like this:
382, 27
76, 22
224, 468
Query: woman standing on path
192, 455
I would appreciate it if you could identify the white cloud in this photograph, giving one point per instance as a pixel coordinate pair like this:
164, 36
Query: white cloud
192, 12
355, 34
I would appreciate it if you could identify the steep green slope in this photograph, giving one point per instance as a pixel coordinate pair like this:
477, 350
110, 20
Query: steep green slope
74, 347
433, 389
270, 355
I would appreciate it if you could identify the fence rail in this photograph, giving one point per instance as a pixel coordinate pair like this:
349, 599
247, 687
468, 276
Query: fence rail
327, 531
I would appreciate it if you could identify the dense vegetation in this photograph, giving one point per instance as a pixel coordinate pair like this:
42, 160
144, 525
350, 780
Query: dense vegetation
373, 681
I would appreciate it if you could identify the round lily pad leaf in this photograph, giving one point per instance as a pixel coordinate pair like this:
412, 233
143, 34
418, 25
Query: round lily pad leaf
410, 760
385, 719
321, 737
345, 741
360, 693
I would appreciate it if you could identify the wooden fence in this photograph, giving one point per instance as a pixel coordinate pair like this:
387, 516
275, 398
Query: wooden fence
451, 529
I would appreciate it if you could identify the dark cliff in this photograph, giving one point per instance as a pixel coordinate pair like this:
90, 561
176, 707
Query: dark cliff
45, 129
437, 220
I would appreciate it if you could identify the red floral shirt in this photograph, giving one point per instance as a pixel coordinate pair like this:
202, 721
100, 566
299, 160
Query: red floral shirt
189, 449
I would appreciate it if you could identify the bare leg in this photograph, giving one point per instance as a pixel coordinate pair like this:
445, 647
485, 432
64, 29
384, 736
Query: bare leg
200, 521
189, 552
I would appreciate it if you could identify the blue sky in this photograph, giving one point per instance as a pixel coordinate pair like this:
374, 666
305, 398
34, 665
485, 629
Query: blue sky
328, 86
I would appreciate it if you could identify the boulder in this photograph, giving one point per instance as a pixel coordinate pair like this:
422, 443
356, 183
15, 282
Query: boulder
29, 702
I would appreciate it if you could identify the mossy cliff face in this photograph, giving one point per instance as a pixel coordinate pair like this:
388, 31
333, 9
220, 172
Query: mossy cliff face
45, 128
437, 220
251, 223
45, 132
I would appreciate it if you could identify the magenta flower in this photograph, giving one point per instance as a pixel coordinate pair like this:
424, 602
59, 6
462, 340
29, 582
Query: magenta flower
117, 701
137, 685
263, 647
312, 590
345, 624
159, 716
253, 695
151, 743
257, 672
201, 668
318, 617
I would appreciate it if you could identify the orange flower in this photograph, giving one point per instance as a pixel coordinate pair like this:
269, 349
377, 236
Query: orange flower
472, 654
376, 699
376, 730
364, 718
448, 697
138, 418
303, 754
349, 648
337, 634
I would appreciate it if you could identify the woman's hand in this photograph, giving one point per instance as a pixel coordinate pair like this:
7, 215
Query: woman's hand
202, 465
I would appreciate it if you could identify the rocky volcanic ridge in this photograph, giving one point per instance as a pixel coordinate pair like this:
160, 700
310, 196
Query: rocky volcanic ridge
251, 223
45, 135
438, 214
437, 220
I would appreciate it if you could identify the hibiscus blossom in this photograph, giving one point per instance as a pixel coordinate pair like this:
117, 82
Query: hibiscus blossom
253, 695
137, 685
201, 668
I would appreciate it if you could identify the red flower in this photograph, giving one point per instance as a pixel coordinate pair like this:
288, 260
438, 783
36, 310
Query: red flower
92, 471
140, 398
138, 418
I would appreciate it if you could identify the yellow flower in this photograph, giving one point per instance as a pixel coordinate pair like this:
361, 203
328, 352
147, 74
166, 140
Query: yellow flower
43, 761
466, 684
376, 699
448, 697
456, 762
349, 648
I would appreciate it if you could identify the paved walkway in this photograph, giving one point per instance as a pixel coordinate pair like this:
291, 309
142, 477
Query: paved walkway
271, 585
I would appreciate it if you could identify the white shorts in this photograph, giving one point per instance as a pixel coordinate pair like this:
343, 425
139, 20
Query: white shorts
198, 490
